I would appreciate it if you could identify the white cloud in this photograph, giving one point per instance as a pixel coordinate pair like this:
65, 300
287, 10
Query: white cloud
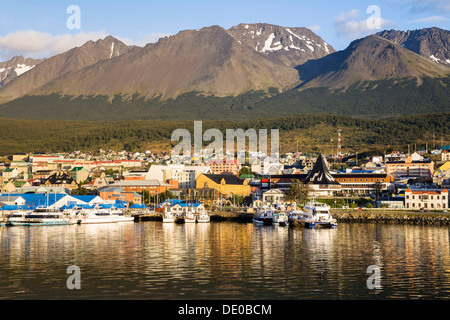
350, 25
149, 38
37, 44
430, 19
315, 28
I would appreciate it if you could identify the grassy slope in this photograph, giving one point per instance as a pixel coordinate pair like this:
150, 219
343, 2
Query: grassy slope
311, 133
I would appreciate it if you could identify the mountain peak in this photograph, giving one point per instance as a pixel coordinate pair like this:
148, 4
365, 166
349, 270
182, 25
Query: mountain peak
368, 59
431, 43
290, 45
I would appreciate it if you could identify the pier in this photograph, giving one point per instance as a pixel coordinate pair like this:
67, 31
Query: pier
217, 216
387, 217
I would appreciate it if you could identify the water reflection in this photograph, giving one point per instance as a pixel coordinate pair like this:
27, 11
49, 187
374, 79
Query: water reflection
152, 260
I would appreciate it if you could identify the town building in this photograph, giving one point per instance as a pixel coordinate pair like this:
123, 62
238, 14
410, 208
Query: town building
152, 186
364, 184
79, 174
273, 196
10, 173
224, 184
320, 181
62, 180
426, 199
186, 175
445, 155
413, 166
117, 194
224, 167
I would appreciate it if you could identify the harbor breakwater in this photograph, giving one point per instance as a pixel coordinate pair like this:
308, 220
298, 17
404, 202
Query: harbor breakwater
399, 217
403, 217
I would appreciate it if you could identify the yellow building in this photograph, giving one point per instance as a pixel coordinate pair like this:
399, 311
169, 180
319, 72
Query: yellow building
224, 183
445, 166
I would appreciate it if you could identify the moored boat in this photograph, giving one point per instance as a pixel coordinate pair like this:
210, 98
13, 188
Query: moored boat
281, 218
120, 215
317, 214
203, 217
43, 216
263, 216
189, 217
168, 217
96, 215
14, 218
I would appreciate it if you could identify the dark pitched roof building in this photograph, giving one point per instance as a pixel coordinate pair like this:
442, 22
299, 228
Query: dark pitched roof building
229, 179
320, 173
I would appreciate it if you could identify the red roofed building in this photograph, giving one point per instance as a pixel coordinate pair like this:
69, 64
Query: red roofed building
426, 199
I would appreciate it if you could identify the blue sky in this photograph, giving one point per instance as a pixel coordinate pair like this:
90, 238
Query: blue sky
39, 28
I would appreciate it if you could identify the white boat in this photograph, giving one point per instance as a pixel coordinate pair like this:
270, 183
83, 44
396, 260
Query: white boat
317, 214
281, 219
120, 215
14, 218
189, 217
96, 215
168, 217
203, 217
263, 216
46, 217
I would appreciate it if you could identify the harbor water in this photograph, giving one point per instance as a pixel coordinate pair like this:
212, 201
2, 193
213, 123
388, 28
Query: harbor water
225, 260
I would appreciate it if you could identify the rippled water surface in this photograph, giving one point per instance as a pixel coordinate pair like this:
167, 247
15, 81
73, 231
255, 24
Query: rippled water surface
152, 260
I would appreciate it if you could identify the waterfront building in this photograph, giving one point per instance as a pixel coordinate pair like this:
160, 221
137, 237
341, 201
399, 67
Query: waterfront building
273, 196
223, 183
14, 200
110, 194
426, 199
320, 181
364, 184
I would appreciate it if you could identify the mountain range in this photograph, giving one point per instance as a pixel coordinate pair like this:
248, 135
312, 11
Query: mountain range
250, 70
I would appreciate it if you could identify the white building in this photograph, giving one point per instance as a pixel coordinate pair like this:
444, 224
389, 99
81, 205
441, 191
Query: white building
273, 196
186, 175
426, 199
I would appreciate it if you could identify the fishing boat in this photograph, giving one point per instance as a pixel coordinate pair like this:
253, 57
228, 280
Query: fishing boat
168, 217
281, 219
189, 217
203, 216
263, 216
317, 214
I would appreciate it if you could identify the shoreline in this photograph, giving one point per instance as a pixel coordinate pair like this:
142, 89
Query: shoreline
386, 217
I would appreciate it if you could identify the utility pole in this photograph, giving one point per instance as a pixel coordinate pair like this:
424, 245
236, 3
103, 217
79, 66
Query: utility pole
339, 149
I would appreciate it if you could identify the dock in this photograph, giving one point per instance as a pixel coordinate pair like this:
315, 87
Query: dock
216, 216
